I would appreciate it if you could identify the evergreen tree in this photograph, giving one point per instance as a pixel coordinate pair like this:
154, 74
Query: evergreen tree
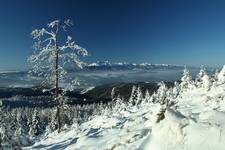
20, 132
161, 93
133, 96
221, 75
206, 82
35, 128
136, 96
53, 120
200, 75
186, 80
139, 95
119, 104
147, 96
113, 93
176, 90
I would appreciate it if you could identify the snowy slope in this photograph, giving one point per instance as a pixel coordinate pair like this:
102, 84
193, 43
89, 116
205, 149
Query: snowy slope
196, 121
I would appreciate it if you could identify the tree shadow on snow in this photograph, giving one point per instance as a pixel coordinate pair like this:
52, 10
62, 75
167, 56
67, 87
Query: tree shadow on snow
60, 145
94, 133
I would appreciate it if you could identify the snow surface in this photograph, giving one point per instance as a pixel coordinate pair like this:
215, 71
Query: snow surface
196, 121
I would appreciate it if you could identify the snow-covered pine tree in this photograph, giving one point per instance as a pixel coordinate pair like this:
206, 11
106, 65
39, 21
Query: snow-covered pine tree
74, 115
221, 76
7, 132
20, 132
136, 96
206, 82
132, 96
53, 120
35, 128
161, 93
55, 51
154, 97
170, 97
198, 79
214, 78
176, 90
147, 96
113, 94
118, 103
186, 80
162, 96
139, 95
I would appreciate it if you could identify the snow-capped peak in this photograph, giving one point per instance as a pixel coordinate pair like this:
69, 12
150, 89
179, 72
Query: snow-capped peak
129, 66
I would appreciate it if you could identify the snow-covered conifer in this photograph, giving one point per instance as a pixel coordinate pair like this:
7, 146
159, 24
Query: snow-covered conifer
147, 96
113, 93
132, 96
136, 95
21, 129
161, 93
35, 128
139, 95
119, 103
221, 75
198, 79
206, 82
176, 89
214, 78
186, 80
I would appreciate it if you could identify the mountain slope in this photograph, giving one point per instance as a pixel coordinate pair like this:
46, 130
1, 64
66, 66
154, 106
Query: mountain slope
199, 113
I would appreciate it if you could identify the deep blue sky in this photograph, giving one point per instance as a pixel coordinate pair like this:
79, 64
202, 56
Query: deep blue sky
176, 32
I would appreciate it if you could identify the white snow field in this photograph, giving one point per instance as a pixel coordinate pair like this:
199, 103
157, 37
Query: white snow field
195, 122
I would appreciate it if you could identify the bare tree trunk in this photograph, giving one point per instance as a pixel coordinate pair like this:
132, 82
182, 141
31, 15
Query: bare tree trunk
57, 86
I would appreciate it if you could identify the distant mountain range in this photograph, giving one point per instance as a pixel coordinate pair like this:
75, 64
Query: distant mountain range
119, 66
106, 65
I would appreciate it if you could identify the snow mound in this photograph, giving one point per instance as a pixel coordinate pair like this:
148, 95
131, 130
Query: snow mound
176, 132
168, 134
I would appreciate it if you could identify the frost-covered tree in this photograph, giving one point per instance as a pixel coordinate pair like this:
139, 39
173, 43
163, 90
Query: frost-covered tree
161, 97
132, 96
53, 120
35, 128
136, 96
206, 82
200, 75
119, 104
21, 128
55, 52
186, 80
176, 90
221, 75
214, 78
161, 93
139, 95
147, 96
113, 93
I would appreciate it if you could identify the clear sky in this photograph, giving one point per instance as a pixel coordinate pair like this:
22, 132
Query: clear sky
188, 32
